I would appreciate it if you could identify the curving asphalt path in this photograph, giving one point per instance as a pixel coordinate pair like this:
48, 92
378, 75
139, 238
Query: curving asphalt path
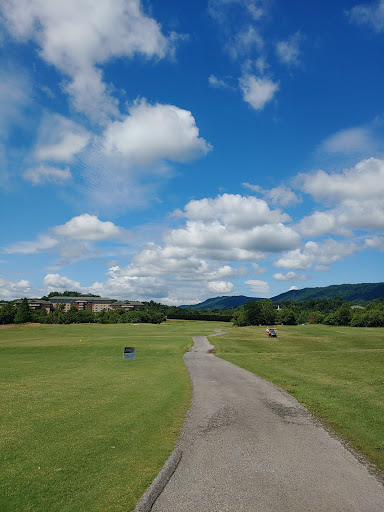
248, 446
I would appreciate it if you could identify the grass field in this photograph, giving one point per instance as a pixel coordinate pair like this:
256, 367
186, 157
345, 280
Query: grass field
81, 428
337, 372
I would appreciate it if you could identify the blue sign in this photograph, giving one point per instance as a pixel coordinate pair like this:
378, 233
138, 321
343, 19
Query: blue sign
129, 352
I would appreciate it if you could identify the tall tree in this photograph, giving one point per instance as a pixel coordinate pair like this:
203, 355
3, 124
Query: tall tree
7, 313
23, 313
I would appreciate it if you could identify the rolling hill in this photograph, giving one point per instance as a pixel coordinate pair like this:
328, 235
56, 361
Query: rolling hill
223, 302
350, 292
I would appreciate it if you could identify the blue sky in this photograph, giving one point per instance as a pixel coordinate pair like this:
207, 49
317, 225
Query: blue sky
177, 151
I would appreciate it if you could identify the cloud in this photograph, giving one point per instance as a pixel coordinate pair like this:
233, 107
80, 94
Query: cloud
220, 286
290, 276
293, 288
60, 139
371, 14
233, 227
322, 253
257, 91
220, 242
45, 173
42, 244
11, 289
155, 132
350, 141
216, 83
15, 97
363, 181
55, 282
90, 228
229, 228
221, 10
376, 242
76, 39
358, 194
288, 51
259, 287
71, 241
320, 223
235, 210
119, 284
258, 270
280, 196
243, 42
176, 263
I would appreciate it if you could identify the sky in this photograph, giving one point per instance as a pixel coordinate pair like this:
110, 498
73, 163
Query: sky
176, 151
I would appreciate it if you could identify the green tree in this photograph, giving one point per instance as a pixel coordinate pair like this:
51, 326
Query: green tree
39, 316
240, 318
23, 313
268, 316
286, 316
71, 316
253, 310
7, 314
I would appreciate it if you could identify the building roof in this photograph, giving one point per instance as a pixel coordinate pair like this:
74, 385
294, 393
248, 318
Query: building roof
81, 298
39, 301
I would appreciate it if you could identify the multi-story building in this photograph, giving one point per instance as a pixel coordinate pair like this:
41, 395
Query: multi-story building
36, 304
95, 304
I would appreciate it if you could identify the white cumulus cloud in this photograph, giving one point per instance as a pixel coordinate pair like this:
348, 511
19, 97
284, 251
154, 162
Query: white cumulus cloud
258, 91
155, 132
220, 286
290, 276
322, 254
279, 196
76, 36
88, 227
11, 289
358, 196
57, 282
75, 240
363, 181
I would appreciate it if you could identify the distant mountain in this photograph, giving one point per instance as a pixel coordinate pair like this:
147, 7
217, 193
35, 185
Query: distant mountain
221, 302
351, 292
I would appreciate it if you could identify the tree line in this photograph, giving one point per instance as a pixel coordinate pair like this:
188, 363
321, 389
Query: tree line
330, 311
334, 311
9, 314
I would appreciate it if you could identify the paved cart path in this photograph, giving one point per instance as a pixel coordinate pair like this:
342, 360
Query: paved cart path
248, 446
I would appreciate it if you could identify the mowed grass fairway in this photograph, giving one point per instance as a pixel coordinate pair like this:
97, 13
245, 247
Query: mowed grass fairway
81, 428
337, 372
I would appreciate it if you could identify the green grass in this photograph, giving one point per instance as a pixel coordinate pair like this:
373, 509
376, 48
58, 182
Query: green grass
337, 372
82, 429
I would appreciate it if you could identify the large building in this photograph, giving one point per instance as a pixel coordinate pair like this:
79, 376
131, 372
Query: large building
95, 304
36, 304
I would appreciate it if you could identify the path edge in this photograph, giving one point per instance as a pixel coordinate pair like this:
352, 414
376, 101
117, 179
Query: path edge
155, 489
150, 496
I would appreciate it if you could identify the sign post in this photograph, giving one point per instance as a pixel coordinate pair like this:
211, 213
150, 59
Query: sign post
129, 352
